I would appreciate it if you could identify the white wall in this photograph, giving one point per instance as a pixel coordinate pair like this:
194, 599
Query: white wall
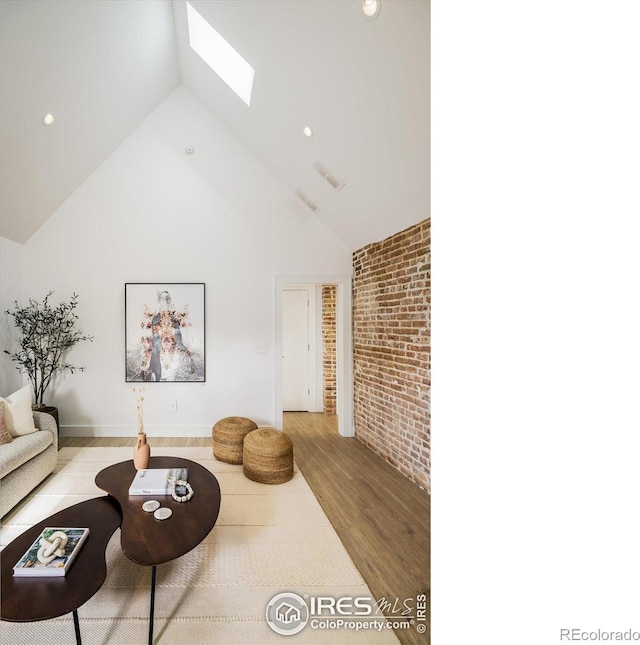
151, 213
10, 290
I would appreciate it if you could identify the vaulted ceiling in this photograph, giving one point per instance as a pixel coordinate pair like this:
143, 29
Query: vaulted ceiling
100, 67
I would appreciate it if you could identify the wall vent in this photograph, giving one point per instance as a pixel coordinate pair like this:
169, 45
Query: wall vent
308, 201
333, 181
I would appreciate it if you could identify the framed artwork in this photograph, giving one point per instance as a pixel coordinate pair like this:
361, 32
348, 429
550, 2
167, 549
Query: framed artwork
164, 332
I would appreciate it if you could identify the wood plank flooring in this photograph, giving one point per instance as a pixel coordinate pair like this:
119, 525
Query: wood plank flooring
381, 517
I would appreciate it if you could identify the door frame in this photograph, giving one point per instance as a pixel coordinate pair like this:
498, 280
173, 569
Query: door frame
344, 351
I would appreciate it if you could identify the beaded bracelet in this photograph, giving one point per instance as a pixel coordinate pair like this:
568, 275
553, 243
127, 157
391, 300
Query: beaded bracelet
181, 498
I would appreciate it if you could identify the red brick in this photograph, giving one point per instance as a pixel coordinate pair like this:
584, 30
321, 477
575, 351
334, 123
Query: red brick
391, 341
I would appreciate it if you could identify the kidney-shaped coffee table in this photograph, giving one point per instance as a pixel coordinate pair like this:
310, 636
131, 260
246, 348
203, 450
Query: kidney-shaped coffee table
29, 599
148, 541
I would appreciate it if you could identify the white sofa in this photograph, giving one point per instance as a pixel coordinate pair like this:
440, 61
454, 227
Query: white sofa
27, 460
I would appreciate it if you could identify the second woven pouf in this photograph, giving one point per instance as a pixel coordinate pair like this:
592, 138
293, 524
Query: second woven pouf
228, 437
268, 456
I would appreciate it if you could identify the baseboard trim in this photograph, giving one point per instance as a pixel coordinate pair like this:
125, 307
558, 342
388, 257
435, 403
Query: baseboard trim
132, 431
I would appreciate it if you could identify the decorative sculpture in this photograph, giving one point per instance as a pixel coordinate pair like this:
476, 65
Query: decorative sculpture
181, 490
52, 547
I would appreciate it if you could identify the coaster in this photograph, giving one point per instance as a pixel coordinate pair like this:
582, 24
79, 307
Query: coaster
151, 505
163, 513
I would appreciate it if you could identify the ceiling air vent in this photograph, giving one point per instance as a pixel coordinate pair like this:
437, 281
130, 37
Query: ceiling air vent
308, 201
333, 181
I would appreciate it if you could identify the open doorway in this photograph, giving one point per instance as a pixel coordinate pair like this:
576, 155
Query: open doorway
302, 349
309, 348
311, 374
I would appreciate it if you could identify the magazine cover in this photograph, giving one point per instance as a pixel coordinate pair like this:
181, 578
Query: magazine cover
52, 553
156, 481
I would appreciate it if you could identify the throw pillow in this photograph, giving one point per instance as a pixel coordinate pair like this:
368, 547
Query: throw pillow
5, 437
18, 413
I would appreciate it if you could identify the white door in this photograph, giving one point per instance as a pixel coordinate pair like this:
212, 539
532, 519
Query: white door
295, 350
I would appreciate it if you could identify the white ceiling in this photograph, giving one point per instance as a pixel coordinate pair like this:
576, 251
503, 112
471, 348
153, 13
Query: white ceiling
102, 66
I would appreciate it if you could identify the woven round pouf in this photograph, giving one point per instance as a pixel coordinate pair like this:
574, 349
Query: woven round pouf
268, 456
228, 436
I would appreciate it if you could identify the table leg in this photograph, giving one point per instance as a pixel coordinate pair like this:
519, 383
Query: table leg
153, 599
76, 625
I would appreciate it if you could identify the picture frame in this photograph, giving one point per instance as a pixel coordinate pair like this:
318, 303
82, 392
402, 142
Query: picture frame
164, 332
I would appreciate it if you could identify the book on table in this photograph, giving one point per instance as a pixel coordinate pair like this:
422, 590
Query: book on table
52, 552
156, 481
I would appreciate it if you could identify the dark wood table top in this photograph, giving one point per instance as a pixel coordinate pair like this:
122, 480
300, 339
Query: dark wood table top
148, 541
27, 599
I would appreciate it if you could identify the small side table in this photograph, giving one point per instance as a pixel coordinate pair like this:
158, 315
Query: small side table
49, 409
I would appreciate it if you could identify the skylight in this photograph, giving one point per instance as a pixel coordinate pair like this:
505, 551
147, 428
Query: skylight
221, 57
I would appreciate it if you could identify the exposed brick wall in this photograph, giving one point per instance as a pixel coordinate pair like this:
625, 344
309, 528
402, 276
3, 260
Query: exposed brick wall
329, 348
392, 350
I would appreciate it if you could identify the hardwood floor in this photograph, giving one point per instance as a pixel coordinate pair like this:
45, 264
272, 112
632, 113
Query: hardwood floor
382, 518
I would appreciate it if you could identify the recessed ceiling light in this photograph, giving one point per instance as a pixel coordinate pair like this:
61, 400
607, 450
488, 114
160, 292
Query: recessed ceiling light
308, 132
371, 8
48, 119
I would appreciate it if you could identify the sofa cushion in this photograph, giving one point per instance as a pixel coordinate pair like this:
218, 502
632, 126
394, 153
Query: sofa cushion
5, 437
21, 449
18, 413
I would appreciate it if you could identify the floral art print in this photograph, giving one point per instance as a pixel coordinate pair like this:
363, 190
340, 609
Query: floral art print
164, 336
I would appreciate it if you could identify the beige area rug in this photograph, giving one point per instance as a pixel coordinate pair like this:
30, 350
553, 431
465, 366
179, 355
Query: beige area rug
267, 540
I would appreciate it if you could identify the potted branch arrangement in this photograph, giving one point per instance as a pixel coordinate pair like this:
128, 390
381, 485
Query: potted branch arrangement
46, 334
142, 450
